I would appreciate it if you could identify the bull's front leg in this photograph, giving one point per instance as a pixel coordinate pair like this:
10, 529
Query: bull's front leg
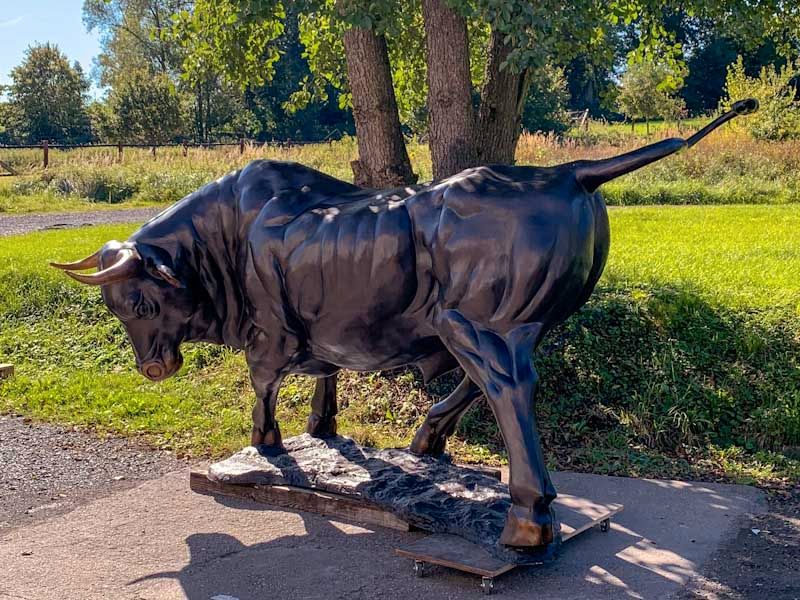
501, 363
322, 420
267, 370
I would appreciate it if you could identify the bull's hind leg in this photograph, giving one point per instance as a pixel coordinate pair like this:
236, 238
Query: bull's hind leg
502, 367
443, 418
322, 421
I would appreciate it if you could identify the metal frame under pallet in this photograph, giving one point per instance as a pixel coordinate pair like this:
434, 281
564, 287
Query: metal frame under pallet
457, 553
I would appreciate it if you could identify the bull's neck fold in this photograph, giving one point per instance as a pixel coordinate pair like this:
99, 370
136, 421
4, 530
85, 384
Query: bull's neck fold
205, 235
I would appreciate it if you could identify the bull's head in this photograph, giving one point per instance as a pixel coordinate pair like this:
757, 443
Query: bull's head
139, 285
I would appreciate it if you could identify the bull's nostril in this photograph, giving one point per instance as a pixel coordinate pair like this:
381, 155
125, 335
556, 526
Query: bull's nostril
154, 371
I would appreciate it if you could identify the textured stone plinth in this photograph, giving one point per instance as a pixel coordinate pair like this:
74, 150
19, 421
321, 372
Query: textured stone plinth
433, 495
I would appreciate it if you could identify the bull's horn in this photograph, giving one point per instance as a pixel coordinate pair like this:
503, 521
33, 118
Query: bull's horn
126, 266
90, 262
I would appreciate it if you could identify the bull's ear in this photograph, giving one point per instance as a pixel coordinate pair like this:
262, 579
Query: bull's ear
158, 264
168, 275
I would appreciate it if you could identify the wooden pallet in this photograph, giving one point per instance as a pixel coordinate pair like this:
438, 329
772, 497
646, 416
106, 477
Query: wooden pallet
296, 498
576, 515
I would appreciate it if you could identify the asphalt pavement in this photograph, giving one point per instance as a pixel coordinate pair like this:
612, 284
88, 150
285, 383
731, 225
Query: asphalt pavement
159, 540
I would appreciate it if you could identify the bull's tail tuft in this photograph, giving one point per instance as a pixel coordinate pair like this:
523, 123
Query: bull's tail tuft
591, 174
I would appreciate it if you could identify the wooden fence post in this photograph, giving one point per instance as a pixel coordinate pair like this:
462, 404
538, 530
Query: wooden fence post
119, 152
185, 149
45, 153
153, 150
241, 145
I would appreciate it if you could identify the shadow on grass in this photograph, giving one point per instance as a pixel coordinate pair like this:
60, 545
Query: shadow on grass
659, 367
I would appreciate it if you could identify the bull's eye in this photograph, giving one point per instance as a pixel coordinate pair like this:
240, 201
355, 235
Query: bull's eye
144, 309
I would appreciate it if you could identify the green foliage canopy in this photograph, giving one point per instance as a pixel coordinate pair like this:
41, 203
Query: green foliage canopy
47, 98
146, 108
237, 37
134, 34
648, 90
233, 37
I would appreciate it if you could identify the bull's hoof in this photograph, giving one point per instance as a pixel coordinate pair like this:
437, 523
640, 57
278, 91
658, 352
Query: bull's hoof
426, 442
270, 451
527, 529
266, 438
321, 428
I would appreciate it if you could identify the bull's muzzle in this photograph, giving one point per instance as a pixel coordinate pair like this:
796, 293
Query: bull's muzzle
157, 370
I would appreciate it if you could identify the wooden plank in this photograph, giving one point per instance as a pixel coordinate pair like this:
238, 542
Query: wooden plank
578, 514
8, 168
456, 553
575, 513
294, 498
6, 370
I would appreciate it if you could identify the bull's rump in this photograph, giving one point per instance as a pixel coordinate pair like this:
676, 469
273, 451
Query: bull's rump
348, 275
508, 250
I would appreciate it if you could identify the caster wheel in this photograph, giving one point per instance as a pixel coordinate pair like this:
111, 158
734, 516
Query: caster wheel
419, 568
605, 525
487, 585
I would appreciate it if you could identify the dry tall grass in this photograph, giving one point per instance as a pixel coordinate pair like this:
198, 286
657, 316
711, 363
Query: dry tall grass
724, 168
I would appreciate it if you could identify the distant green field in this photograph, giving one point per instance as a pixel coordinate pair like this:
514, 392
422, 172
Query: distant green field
684, 363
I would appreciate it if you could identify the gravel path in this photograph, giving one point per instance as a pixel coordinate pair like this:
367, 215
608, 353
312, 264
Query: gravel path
47, 470
17, 224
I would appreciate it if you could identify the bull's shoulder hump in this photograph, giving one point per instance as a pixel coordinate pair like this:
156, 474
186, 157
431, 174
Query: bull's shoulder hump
279, 175
282, 191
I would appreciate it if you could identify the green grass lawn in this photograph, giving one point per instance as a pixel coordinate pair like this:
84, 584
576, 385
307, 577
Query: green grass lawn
684, 363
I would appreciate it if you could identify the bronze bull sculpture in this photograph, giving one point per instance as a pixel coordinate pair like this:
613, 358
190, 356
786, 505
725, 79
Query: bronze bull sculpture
309, 274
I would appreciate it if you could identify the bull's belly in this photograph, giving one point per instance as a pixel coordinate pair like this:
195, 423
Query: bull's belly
361, 346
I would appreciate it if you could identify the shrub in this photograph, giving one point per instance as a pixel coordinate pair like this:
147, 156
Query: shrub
776, 90
97, 184
545, 105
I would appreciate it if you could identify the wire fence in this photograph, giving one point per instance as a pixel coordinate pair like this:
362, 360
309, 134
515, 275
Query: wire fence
45, 147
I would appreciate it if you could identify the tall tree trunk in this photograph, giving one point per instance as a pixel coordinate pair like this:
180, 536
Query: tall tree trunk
451, 116
382, 156
502, 101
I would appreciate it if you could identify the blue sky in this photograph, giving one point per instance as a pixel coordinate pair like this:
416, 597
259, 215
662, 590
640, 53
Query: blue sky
25, 22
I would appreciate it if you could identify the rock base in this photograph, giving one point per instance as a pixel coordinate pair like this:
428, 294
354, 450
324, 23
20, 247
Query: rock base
431, 494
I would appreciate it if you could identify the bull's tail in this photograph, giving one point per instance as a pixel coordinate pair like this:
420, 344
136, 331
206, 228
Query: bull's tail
593, 173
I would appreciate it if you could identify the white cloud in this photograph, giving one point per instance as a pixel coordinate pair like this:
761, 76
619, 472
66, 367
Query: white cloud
11, 22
